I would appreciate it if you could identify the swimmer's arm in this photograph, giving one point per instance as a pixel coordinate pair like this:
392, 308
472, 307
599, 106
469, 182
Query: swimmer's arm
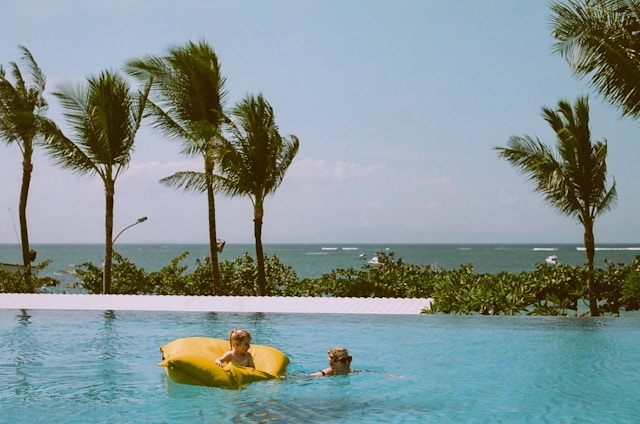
326, 371
250, 363
223, 359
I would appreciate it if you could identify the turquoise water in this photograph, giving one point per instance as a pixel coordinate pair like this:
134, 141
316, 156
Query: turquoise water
100, 367
313, 260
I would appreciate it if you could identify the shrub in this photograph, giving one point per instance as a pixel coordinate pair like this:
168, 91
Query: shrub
548, 290
14, 282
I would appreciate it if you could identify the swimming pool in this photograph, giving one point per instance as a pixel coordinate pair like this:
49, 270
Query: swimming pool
100, 367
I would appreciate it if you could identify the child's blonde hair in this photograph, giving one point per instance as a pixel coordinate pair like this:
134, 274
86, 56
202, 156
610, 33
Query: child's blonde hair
336, 352
238, 335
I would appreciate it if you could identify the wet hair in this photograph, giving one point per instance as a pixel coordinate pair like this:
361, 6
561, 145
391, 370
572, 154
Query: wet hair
336, 352
238, 335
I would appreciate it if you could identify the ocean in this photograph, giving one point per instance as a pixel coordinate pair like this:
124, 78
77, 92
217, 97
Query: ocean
314, 260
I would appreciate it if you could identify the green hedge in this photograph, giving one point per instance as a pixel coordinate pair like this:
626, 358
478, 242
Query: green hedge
549, 290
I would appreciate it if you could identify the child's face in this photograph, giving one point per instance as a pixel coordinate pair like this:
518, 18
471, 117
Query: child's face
243, 345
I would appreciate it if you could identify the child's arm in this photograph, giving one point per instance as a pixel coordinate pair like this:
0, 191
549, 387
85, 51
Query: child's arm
223, 359
250, 363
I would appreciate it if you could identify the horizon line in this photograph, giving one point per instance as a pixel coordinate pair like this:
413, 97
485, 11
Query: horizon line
330, 243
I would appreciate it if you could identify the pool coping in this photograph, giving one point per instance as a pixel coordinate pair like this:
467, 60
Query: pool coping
267, 304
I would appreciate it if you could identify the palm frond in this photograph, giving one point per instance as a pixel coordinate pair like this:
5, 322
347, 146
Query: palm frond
21, 103
256, 157
187, 181
287, 154
607, 201
573, 179
599, 39
66, 153
20, 85
38, 78
104, 115
164, 123
187, 91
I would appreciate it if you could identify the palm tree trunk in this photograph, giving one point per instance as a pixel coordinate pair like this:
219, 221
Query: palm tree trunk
27, 168
213, 235
257, 232
213, 244
108, 243
590, 247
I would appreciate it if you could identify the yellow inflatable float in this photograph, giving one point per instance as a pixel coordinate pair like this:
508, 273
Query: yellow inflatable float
191, 360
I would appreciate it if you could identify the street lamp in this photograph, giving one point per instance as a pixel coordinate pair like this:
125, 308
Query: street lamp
104, 274
144, 218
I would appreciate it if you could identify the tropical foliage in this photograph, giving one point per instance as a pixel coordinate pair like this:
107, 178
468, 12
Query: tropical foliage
572, 179
104, 116
186, 104
549, 290
599, 40
254, 160
238, 277
22, 106
12, 282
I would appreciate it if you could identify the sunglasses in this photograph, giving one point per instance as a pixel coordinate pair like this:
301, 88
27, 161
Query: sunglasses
345, 360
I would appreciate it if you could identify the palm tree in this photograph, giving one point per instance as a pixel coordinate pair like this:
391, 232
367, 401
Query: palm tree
105, 116
22, 106
573, 178
254, 162
599, 39
186, 103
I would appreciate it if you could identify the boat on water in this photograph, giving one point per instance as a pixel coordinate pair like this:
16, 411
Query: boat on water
374, 261
551, 260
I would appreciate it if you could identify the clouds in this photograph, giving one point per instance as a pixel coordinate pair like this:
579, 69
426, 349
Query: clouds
320, 171
397, 107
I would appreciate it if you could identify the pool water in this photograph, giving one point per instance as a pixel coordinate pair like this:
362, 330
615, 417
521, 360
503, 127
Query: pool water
100, 367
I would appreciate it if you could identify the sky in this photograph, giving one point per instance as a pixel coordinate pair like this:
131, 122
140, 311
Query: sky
398, 106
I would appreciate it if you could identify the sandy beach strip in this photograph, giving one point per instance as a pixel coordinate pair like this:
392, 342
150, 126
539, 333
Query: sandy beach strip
342, 305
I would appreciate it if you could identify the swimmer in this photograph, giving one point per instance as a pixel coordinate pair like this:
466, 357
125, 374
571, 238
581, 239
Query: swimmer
339, 363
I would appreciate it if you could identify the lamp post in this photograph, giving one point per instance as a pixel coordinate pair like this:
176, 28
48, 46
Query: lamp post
104, 276
140, 220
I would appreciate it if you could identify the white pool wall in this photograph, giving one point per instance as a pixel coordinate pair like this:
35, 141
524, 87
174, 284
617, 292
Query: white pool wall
334, 305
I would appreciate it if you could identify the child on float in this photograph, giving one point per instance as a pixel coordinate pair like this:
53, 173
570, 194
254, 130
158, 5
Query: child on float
240, 341
339, 363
